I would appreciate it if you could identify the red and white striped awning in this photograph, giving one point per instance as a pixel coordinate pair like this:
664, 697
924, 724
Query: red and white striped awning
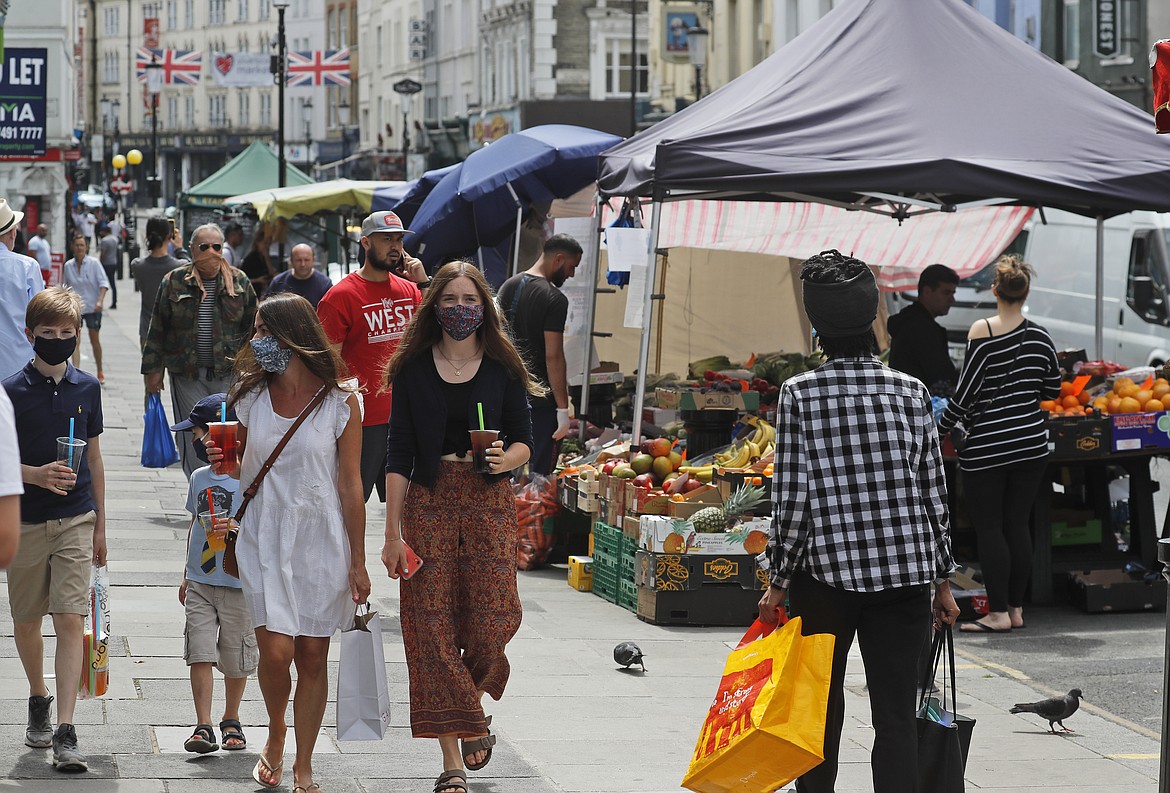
965, 241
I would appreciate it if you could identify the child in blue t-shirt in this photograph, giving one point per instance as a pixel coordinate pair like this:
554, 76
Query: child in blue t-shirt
219, 626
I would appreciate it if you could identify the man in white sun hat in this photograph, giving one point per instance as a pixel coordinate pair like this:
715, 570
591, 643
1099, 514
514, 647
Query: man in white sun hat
20, 279
365, 315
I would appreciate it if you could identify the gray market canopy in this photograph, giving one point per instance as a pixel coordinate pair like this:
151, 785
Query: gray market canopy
902, 107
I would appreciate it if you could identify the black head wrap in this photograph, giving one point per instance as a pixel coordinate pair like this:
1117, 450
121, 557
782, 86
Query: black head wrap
839, 306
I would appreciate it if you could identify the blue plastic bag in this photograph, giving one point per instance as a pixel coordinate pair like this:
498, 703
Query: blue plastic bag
158, 445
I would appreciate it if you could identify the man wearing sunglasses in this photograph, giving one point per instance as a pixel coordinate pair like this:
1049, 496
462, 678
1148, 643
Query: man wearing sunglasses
202, 315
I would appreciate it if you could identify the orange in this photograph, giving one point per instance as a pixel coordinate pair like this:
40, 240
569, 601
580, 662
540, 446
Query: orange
1100, 403
1084, 397
1114, 405
1066, 389
1161, 388
1127, 391
1049, 405
1154, 406
1070, 401
1122, 382
1166, 401
1144, 395
1130, 405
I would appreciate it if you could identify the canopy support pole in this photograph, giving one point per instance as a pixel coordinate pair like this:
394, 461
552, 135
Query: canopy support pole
1099, 301
592, 271
647, 313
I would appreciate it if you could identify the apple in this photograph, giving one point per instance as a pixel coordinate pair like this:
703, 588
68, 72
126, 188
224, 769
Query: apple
692, 484
609, 465
678, 483
642, 463
644, 481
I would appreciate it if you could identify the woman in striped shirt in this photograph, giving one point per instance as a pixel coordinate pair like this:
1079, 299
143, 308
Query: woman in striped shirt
1010, 367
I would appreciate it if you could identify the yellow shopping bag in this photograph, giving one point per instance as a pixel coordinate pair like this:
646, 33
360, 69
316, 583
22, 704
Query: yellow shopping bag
767, 724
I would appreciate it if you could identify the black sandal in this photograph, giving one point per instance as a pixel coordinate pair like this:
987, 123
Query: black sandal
231, 729
202, 740
469, 746
447, 781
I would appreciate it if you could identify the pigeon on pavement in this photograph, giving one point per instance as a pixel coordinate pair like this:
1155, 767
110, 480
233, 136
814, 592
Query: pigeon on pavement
1056, 710
628, 653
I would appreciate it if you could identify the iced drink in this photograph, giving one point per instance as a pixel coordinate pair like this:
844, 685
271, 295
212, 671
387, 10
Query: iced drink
480, 441
69, 453
223, 435
215, 541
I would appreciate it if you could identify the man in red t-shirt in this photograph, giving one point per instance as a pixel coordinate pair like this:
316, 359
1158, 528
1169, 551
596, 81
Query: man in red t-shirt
366, 313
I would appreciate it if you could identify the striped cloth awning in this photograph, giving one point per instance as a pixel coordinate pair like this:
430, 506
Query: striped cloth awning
965, 241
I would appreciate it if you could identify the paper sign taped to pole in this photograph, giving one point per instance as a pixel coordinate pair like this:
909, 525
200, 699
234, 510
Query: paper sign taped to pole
626, 249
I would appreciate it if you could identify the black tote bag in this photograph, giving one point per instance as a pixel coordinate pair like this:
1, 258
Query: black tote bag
944, 737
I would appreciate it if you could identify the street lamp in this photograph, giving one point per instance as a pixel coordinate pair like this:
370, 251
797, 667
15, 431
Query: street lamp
697, 50
105, 107
279, 69
343, 120
154, 81
307, 119
405, 100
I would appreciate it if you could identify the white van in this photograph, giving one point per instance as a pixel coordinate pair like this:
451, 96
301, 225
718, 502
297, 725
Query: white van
1064, 252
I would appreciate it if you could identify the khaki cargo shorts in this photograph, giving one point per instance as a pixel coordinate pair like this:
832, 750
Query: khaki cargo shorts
50, 574
219, 630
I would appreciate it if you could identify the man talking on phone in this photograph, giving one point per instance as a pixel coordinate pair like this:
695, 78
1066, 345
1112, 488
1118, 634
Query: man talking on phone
365, 315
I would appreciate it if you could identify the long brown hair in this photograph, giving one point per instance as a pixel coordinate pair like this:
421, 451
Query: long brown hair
424, 331
292, 320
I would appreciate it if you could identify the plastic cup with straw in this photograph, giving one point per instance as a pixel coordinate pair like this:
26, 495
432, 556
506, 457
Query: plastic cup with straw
215, 541
481, 440
69, 453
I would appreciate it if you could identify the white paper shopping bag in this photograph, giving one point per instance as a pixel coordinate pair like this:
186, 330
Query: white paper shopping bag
363, 696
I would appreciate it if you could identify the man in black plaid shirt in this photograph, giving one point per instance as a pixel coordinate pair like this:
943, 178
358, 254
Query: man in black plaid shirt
860, 528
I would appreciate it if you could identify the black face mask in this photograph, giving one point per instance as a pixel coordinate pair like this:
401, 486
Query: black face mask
200, 450
54, 351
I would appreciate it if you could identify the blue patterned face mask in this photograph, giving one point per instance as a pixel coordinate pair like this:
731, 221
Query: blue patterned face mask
270, 355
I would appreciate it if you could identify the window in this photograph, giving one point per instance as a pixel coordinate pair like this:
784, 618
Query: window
217, 110
217, 12
189, 13
378, 53
331, 29
343, 30
151, 10
172, 113
1071, 38
617, 68
1146, 289
111, 73
111, 20
172, 14
266, 110
189, 111
245, 113
265, 10
243, 11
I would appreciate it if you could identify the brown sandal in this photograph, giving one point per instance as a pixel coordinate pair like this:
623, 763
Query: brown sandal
451, 780
469, 746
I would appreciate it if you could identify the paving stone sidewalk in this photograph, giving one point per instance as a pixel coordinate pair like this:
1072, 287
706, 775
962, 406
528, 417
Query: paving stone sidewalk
570, 721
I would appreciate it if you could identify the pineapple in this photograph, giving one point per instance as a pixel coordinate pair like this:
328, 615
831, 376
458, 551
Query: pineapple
716, 519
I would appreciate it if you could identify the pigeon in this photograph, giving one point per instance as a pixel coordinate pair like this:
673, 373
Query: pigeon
1056, 710
627, 654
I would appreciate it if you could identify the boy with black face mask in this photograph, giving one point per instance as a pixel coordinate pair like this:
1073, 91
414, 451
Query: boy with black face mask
63, 524
219, 628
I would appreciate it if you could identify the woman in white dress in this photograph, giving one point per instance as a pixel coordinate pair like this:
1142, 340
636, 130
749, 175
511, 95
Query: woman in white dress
301, 545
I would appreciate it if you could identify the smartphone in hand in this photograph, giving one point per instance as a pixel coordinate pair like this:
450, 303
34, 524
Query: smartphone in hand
413, 563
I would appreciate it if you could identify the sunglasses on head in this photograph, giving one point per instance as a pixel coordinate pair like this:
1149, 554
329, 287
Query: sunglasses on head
203, 246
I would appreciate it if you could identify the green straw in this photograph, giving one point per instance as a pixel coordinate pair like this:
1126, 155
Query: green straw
223, 412
479, 406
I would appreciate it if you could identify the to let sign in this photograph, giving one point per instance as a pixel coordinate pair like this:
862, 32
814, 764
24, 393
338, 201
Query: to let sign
23, 86
1107, 28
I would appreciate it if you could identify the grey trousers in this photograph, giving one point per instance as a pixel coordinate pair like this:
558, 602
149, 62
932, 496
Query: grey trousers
185, 392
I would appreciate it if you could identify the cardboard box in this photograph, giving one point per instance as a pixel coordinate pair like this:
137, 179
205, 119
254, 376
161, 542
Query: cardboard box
581, 572
711, 605
1096, 591
694, 399
690, 571
1136, 431
645, 502
588, 503
1080, 437
1086, 533
661, 534
659, 417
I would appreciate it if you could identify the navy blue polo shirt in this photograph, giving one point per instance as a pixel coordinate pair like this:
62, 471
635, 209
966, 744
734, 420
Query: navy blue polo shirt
42, 410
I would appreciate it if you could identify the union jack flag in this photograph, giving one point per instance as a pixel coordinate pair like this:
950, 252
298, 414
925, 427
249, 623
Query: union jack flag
318, 67
179, 66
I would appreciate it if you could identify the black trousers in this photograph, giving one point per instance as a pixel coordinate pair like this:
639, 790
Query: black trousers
374, 440
889, 628
112, 277
999, 503
544, 424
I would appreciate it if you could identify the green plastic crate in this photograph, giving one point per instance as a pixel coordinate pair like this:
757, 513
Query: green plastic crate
628, 595
605, 581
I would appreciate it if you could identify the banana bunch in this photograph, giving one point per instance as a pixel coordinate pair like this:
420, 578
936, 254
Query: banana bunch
764, 437
760, 444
